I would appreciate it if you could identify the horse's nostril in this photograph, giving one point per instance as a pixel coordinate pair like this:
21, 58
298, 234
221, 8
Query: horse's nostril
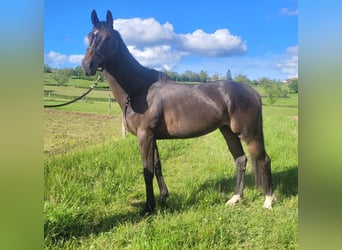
87, 64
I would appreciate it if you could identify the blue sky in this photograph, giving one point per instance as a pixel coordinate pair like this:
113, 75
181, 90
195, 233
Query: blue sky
257, 38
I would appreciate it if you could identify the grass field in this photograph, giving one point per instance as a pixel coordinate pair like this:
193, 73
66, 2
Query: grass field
94, 186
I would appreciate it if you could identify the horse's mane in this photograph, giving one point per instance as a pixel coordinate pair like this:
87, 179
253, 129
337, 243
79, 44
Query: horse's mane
150, 75
163, 77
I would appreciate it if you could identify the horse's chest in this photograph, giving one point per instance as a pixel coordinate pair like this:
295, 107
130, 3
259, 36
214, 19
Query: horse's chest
130, 123
135, 121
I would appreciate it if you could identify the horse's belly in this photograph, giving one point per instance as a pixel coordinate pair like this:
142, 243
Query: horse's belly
190, 124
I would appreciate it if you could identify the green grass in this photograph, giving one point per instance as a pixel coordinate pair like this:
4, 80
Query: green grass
80, 83
94, 187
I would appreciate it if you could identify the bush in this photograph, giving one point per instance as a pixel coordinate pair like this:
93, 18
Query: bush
61, 76
272, 90
293, 86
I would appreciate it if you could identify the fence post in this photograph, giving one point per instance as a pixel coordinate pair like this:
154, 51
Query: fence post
123, 129
109, 104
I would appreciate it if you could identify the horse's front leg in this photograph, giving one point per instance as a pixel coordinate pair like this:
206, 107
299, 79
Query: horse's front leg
147, 150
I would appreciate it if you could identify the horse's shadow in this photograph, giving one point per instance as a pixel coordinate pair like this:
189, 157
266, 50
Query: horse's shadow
285, 183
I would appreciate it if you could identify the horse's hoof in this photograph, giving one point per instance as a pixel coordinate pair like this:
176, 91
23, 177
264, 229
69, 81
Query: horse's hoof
235, 199
268, 201
163, 197
145, 213
148, 211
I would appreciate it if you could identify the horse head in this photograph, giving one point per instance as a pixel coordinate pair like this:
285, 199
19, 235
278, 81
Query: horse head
102, 44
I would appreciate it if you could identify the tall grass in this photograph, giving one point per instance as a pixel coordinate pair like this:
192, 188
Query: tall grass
93, 194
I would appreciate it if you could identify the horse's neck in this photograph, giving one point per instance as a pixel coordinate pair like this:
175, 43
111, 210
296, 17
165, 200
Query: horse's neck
133, 78
119, 94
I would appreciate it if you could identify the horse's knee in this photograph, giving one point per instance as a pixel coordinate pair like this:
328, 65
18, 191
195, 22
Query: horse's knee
157, 167
267, 162
148, 175
241, 162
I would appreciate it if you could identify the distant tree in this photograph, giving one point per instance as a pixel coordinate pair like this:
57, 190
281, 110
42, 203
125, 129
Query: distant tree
264, 81
78, 72
172, 74
271, 88
61, 76
242, 79
180, 78
47, 68
229, 75
293, 86
195, 77
203, 76
186, 76
215, 77
190, 76
255, 82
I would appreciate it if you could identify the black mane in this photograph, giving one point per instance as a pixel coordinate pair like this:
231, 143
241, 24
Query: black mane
149, 76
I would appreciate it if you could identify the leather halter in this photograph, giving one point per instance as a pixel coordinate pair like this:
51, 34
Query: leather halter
100, 54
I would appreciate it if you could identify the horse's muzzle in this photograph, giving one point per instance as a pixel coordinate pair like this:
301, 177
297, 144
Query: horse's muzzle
88, 68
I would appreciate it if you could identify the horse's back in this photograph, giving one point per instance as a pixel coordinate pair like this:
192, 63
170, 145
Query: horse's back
233, 94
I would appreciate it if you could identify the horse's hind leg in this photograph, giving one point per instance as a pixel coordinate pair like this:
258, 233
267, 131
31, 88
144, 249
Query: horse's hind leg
164, 193
261, 166
235, 147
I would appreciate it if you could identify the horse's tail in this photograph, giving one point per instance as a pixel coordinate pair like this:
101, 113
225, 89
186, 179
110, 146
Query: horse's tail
261, 162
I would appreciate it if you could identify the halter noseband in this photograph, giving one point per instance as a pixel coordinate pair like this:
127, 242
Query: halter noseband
101, 55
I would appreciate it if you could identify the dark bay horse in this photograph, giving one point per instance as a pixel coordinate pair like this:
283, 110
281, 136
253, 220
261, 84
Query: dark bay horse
157, 108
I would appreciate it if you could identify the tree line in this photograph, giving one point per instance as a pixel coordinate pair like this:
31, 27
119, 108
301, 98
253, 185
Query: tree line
272, 88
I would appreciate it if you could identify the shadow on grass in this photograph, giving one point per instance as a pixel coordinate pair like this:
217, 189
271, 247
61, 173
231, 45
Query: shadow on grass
82, 225
285, 183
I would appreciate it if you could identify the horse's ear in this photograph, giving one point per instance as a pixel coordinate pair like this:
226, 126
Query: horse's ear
94, 18
109, 18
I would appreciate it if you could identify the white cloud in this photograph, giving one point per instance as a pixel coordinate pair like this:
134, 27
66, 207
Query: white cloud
219, 43
289, 62
77, 59
56, 59
287, 12
156, 45
141, 32
149, 32
160, 57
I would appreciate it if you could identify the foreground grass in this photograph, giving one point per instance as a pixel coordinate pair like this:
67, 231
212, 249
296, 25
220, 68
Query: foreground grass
95, 189
92, 199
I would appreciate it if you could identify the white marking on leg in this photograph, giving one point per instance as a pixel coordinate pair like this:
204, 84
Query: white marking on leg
235, 199
268, 201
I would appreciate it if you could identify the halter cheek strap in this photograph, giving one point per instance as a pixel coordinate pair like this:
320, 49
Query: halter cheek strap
103, 56
97, 52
